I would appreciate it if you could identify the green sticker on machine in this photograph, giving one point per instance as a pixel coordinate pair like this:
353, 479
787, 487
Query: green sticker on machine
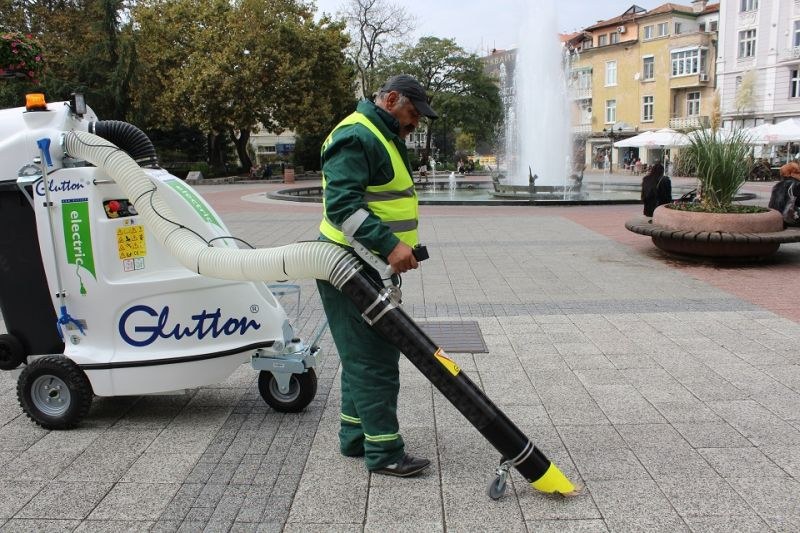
77, 233
196, 203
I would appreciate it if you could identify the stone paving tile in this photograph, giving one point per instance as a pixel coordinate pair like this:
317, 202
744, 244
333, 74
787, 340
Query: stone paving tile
566, 526
59, 500
16, 495
115, 526
711, 435
741, 462
21, 525
135, 501
750, 523
464, 512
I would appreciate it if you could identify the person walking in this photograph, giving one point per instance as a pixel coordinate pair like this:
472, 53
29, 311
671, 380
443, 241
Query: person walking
791, 170
366, 177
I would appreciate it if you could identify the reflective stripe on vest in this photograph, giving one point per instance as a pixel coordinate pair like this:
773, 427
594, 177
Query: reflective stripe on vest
395, 202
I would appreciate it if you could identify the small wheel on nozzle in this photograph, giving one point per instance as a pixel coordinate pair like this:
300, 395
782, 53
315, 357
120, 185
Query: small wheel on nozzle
302, 389
497, 488
12, 352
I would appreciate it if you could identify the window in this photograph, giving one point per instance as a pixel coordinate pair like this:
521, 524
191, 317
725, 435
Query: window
693, 104
647, 108
747, 43
796, 34
748, 5
611, 73
686, 62
678, 27
794, 83
583, 79
712, 26
614, 38
648, 32
701, 27
663, 29
648, 68
611, 111
602, 40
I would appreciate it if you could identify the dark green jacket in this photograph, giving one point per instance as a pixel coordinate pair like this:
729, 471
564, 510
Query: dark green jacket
355, 159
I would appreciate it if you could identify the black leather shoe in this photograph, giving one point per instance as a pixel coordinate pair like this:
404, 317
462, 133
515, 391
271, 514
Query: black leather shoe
407, 466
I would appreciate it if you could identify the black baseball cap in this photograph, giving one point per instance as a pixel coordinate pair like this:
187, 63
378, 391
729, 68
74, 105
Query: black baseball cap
413, 90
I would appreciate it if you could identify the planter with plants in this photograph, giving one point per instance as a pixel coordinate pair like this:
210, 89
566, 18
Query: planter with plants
714, 226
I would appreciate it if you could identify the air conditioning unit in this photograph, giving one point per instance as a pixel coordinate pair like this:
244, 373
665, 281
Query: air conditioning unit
621, 29
703, 76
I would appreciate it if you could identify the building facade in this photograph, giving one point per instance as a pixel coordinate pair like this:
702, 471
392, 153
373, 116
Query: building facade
758, 64
643, 70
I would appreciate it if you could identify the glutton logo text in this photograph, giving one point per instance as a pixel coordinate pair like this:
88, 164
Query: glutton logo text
141, 325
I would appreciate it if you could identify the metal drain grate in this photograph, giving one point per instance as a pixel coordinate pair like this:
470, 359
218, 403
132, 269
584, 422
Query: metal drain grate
456, 336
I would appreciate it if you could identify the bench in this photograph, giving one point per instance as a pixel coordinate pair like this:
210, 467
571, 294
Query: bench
693, 242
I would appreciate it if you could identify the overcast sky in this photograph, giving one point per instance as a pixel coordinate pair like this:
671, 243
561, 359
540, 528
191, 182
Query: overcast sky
478, 26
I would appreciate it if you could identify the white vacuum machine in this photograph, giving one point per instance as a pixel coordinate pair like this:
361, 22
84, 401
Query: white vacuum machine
91, 299
121, 279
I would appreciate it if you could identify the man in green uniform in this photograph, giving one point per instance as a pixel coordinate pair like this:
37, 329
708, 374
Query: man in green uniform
366, 176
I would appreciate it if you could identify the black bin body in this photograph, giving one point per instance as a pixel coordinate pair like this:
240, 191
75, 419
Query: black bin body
24, 297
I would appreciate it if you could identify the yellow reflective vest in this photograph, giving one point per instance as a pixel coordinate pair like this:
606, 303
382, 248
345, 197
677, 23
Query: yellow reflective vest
395, 202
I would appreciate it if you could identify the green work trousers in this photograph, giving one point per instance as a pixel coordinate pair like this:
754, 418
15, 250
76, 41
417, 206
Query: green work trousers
370, 383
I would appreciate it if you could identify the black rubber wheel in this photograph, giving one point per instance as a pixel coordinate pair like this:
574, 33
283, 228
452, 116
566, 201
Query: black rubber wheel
54, 392
11, 352
497, 488
302, 389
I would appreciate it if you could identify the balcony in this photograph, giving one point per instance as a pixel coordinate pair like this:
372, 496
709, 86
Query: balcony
582, 129
580, 93
689, 123
790, 54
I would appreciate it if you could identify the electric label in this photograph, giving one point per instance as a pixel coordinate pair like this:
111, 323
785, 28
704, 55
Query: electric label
448, 363
193, 201
77, 233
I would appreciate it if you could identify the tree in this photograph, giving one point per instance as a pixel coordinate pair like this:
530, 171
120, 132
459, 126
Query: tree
375, 26
86, 45
456, 84
230, 67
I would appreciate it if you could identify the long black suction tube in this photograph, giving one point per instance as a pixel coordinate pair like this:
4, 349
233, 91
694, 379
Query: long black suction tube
399, 329
128, 137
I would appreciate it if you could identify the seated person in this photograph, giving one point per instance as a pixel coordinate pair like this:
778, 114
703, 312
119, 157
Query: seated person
656, 189
791, 170
785, 199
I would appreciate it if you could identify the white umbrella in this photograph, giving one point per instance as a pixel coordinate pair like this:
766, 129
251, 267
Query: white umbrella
663, 138
780, 133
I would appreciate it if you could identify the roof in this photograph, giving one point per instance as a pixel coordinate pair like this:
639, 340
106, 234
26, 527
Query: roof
636, 12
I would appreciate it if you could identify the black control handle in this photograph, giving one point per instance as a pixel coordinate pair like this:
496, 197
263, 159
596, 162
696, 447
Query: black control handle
420, 252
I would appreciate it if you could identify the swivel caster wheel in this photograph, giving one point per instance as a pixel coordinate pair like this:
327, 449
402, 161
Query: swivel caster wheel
302, 389
497, 488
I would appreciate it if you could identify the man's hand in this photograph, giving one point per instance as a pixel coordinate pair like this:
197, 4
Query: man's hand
402, 258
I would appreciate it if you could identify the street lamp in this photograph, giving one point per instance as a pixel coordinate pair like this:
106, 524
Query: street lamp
612, 134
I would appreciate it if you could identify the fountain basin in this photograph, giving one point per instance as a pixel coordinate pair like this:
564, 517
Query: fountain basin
477, 192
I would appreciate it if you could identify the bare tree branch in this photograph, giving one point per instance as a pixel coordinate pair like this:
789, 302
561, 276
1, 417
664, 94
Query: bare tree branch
375, 26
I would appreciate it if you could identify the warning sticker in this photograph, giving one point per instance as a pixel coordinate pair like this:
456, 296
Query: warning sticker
448, 363
130, 242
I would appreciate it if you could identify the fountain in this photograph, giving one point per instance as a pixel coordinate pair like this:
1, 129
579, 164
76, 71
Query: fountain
538, 124
538, 141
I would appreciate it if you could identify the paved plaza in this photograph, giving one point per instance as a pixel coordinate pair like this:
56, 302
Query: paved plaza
670, 389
